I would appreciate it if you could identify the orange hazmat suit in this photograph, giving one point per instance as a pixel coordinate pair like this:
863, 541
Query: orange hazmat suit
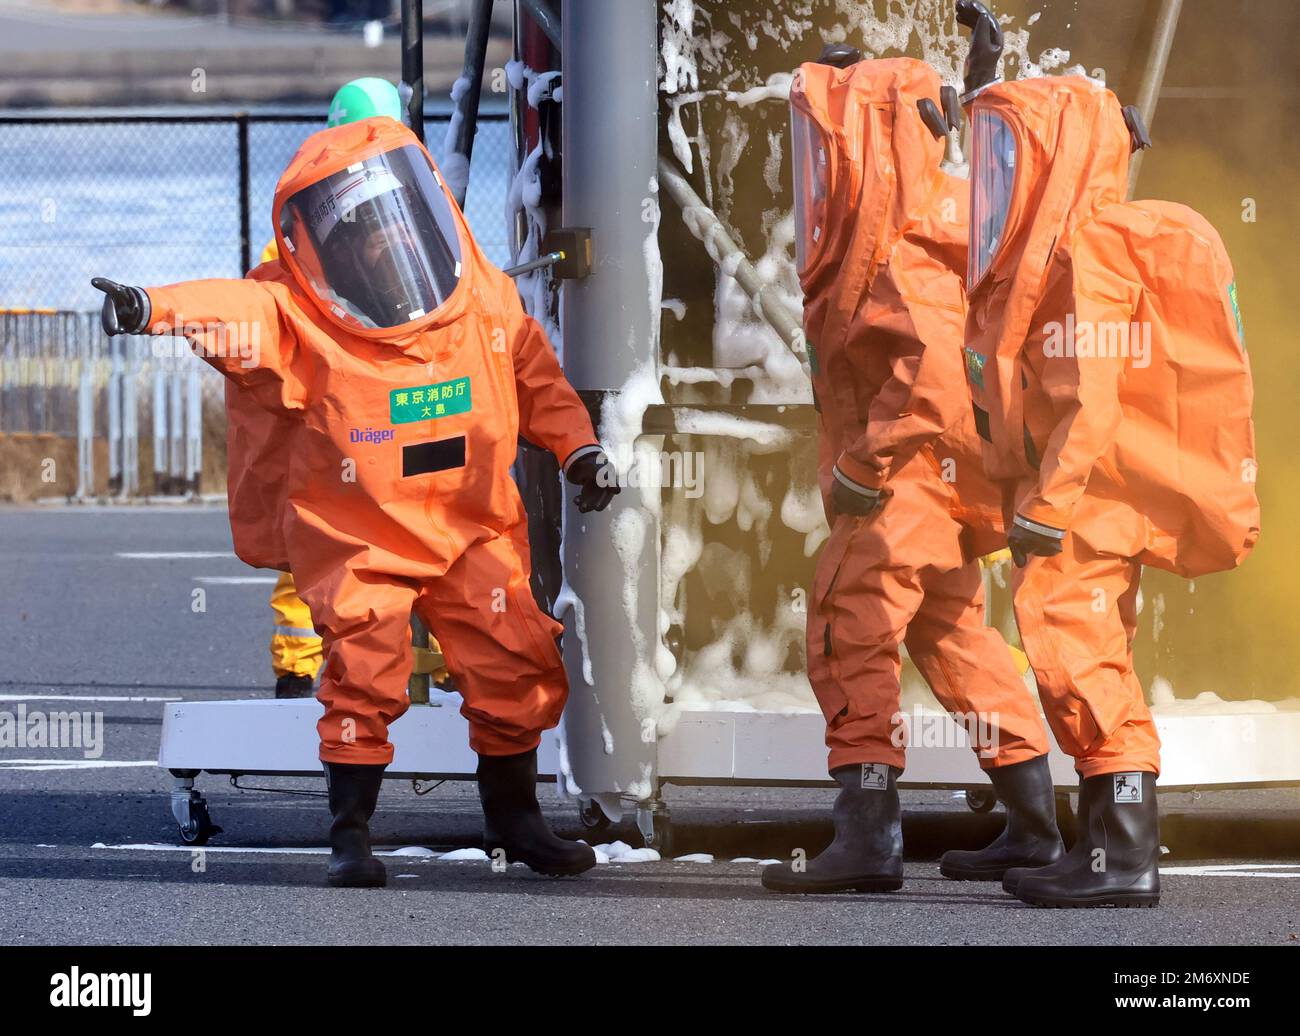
409, 369
1111, 388
881, 241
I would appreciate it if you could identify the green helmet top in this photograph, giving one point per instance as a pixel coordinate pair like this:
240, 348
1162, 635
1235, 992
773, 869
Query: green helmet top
364, 98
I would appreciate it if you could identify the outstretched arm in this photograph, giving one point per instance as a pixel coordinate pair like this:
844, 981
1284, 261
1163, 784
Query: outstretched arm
235, 325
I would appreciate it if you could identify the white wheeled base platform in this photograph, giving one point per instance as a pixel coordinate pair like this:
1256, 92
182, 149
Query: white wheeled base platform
278, 738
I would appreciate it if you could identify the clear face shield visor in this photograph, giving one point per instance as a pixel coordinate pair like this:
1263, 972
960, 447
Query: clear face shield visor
811, 158
377, 241
993, 179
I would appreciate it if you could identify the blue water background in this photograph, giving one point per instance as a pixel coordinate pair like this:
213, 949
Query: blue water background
155, 204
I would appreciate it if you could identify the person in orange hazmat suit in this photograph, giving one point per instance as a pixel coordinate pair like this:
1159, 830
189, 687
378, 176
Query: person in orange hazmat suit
410, 368
1113, 396
881, 240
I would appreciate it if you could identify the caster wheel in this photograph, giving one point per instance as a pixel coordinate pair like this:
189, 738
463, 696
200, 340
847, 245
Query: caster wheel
200, 827
981, 800
592, 817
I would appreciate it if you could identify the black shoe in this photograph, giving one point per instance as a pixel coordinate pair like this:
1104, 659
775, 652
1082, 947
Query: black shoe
513, 821
867, 852
1030, 838
353, 792
290, 686
1115, 862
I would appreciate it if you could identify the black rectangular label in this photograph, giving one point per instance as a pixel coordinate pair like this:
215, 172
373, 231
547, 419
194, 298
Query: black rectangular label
423, 458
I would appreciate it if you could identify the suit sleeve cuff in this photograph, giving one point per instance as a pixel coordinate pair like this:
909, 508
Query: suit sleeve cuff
856, 487
860, 474
579, 453
1039, 528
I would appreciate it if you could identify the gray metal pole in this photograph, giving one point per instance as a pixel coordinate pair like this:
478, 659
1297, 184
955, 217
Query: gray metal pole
161, 438
85, 420
476, 44
193, 426
116, 388
611, 328
543, 14
413, 63
175, 428
1154, 76
130, 418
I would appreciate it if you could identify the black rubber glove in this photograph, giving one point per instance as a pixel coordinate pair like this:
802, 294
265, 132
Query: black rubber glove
126, 309
598, 479
1025, 543
986, 42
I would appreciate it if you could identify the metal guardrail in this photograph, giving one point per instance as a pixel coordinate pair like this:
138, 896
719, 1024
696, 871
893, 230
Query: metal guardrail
80, 188
61, 376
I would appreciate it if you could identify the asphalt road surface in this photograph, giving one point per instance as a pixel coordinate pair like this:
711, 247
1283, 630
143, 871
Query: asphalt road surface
89, 854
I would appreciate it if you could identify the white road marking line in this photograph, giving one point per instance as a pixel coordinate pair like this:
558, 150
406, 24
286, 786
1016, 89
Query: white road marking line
234, 580
70, 764
411, 852
173, 555
84, 697
1238, 870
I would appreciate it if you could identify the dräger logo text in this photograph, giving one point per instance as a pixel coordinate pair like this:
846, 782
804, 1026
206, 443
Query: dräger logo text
93, 989
371, 434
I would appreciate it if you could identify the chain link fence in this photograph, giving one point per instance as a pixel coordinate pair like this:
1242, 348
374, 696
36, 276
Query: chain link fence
145, 200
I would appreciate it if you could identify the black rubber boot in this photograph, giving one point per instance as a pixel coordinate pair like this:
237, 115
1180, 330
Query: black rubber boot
1078, 851
353, 792
867, 852
1030, 838
513, 821
1118, 862
291, 686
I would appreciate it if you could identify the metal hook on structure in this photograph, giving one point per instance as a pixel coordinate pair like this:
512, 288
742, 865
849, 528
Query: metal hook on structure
568, 253
540, 263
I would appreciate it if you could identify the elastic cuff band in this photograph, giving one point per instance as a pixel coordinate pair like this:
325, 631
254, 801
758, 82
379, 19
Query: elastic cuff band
1041, 530
579, 453
967, 98
848, 483
146, 316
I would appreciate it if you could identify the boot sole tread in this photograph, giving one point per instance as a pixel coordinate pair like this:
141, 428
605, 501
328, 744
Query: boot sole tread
1122, 902
550, 872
